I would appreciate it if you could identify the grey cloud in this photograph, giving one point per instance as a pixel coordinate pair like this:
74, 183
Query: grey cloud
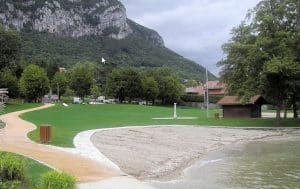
195, 29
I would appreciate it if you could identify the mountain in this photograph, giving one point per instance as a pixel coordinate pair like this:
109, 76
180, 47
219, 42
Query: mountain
68, 31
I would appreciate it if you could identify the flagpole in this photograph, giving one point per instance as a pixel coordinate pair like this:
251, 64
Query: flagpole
207, 94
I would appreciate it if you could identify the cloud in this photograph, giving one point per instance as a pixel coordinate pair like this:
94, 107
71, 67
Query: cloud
195, 29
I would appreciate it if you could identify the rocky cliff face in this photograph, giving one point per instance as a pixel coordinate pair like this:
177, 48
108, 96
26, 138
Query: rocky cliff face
74, 18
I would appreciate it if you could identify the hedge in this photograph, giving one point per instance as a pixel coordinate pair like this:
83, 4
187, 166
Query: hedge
200, 98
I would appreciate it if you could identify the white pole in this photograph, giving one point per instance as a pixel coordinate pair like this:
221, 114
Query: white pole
58, 91
207, 103
175, 112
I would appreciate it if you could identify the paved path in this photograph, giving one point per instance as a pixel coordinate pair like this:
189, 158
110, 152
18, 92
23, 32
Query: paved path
14, 139
116, 183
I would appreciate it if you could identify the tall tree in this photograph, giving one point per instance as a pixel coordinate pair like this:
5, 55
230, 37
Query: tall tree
124, 82
169, 86
95, 91
262, 55
82, 79
295, 97
191, 83
10, 48
9, 80
34, 83
48, 64
150, 89
169, 90
59, 83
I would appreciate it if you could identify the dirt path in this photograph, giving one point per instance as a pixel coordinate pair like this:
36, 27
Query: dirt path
13, 138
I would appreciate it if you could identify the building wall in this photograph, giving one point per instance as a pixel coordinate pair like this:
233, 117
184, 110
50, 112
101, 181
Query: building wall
256, 111
241, 111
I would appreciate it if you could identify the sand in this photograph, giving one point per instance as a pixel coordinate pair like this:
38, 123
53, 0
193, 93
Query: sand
162, 153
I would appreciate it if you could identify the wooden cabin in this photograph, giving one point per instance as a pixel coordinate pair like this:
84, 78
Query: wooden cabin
234, 108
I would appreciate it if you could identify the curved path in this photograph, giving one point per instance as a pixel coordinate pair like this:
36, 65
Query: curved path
14, 139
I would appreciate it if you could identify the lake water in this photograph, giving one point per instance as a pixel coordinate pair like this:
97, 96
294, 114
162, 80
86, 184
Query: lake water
267, 165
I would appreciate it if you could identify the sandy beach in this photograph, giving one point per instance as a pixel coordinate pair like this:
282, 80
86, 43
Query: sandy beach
162, 153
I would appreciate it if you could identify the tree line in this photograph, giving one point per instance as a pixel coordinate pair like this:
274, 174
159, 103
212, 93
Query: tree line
263, 55
33, 80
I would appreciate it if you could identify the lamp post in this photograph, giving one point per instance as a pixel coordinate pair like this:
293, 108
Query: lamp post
58, 91
207, 103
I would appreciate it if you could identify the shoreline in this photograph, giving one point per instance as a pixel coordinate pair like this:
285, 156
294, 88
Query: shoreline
175, 170
217, 168
181, 172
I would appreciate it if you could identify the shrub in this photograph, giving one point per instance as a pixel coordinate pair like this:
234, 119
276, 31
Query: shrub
215, 98
67, 99
192, 98
57, 180
12, 168
200, 98
11, 185
2, 124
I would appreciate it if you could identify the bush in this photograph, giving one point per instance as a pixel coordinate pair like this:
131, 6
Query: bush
215, 98
12, 168
66, 99
11, 185
192, 98
200, 98
57, 180
2, 124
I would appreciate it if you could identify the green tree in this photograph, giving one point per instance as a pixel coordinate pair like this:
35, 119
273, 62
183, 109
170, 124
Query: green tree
95, 91
69, 92
9, 80
82, 79
10, 48
263, 55
191, 83
124, 82
150, 89
283, 72
48, 64
102, 71
170, 90
34, 83
59, 83
169, 86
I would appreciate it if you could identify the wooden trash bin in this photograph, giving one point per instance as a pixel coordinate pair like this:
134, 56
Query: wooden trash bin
217, 116
45, 133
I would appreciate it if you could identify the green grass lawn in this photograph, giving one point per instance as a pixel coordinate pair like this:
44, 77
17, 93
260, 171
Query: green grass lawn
68, 121
34, 171
14, 106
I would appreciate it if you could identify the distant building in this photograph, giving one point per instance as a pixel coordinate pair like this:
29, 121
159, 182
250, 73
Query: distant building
100, 99
50, 98
77, 100
61, 69
234, 108
199, 90
214, 88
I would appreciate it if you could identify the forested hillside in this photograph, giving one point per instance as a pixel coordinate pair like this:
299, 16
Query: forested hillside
68, 32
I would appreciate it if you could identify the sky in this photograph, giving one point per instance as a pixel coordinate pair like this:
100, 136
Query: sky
195, 29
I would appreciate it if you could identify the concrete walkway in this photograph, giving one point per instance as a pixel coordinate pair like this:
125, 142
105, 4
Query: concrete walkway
85, 148
126, 182
14, 139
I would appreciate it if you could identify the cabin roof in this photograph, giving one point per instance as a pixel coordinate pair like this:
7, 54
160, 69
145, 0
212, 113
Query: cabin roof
234, 100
